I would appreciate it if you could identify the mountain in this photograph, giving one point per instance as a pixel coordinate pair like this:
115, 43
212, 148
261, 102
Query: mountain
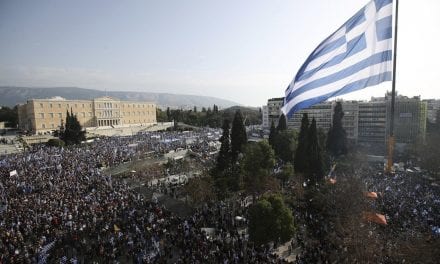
10, 96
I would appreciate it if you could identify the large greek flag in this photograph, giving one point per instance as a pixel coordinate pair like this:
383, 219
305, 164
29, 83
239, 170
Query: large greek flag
357, 55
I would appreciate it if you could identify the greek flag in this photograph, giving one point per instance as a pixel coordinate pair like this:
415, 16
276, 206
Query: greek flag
357, 55
44, 253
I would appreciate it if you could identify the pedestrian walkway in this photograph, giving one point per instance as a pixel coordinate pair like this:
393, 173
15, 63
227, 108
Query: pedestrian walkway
285, 252
9, 149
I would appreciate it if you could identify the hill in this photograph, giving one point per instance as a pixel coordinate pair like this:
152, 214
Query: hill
10, 96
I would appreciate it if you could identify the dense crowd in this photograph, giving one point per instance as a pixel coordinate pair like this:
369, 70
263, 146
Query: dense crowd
58, 205
410, 200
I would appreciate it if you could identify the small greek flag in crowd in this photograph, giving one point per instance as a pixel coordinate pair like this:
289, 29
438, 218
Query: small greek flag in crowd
44, 253
357, 55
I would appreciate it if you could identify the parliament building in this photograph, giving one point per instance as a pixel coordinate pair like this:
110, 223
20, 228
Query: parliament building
45, 115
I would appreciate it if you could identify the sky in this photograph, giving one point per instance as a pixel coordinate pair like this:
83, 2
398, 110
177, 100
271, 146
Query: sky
246, 51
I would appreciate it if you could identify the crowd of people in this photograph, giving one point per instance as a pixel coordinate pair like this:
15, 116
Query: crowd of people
410, 202
409, 199
59, 205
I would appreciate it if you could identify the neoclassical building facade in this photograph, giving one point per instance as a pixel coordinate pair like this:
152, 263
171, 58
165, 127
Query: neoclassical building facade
44, 115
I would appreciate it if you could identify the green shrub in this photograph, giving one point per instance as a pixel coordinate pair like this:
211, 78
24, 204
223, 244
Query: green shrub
55, 142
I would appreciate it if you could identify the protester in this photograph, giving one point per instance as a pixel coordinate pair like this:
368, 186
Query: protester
61, 207
410, 201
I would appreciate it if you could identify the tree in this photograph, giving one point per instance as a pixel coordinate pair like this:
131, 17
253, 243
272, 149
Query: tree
169, 114
333, 219
227, 181
272, 135
224, 155
314, 168
161, 116
337, 137
257, 166
322, 140
8, 115
238, 136
72, 132
215, 118
282, 123
200, 190
270, 220
285, 145
55, 142
226, 173
233, 176
286, 173
300, 160
251, 115
176, 115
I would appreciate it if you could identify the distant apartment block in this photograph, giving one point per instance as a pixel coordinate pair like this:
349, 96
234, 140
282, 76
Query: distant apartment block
409, 119
372, 122
366, 123
350, 121
433, 106
44, 115
265, 116
274, 110
323, 114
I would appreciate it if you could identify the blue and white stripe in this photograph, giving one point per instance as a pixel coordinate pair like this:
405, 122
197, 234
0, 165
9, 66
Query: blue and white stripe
357, 55
44, 252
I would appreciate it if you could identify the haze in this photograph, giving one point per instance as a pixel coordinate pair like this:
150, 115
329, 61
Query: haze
244, 51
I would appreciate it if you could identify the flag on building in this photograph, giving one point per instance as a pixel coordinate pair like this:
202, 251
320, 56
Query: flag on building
356, 56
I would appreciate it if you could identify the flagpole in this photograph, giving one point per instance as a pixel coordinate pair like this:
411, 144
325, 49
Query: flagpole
393, 95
